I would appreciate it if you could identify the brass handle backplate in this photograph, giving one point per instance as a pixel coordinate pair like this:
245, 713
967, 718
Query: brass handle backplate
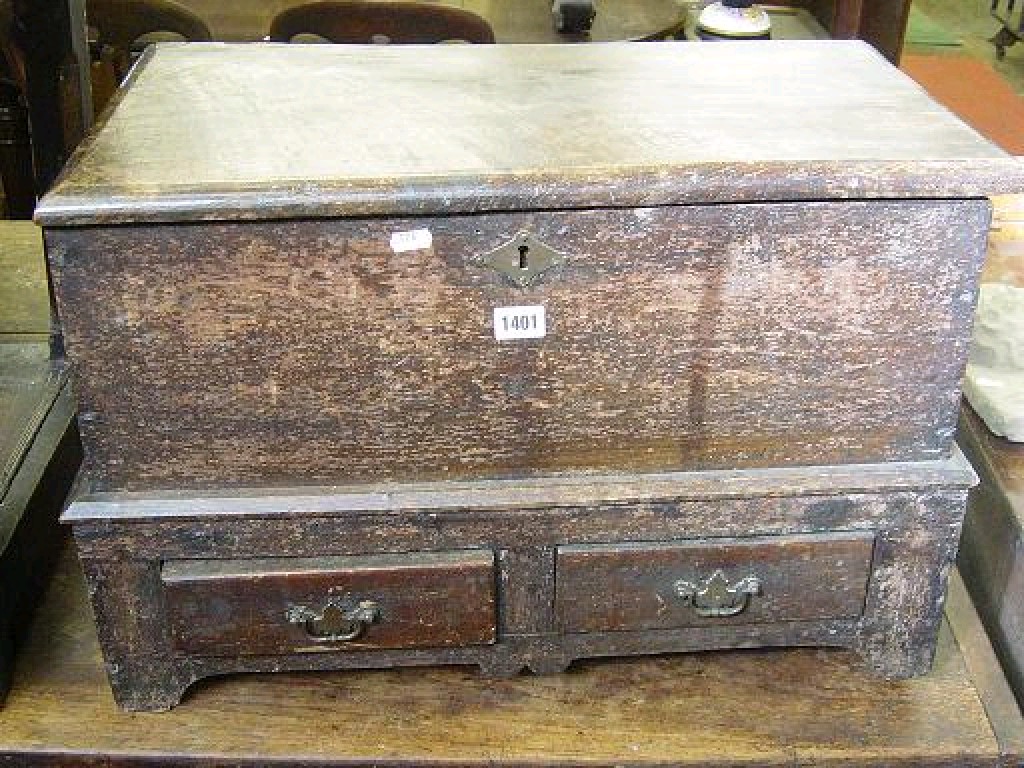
335, 622
715, 597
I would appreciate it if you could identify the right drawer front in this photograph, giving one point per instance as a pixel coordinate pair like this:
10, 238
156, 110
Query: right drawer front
662, 585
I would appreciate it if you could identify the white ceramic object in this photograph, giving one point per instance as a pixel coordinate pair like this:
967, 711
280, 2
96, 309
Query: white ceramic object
994, 384
727, 21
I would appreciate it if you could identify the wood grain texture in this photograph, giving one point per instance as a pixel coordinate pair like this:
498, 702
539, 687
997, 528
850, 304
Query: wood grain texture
700, 335
228, 607
992, 556
748, 708
915, 528
1001, 707
538, 127
275, 354
616, 587
523, 494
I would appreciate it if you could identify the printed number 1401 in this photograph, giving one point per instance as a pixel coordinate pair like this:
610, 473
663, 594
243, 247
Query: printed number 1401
519, 323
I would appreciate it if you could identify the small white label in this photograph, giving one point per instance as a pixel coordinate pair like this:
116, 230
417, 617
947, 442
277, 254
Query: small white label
413, 240
519, 323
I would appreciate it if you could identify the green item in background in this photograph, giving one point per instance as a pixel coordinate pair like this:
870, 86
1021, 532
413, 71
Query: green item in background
924, 30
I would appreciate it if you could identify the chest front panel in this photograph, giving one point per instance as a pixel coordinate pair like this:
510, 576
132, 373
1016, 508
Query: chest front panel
680, 337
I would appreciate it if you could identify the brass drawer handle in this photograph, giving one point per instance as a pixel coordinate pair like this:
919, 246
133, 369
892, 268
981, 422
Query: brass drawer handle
335, 622
715, 596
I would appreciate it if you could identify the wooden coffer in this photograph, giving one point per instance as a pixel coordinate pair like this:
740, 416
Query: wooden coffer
510, 356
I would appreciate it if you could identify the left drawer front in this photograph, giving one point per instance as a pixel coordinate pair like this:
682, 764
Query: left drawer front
300, 605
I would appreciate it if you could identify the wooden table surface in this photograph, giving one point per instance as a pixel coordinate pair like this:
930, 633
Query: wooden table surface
991, 551
513, 21
24, 301
764, 708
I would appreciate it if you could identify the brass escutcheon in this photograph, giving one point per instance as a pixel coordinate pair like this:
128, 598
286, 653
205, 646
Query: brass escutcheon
522, 259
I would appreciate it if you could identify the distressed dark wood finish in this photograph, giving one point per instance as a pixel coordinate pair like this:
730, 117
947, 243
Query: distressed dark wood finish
122, 545
756, 333
992, 558
618, 587
689, 337
607, 125
748, 708
227, 607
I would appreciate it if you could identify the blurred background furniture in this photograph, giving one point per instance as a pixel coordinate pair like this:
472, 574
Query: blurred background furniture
16, 169
359, 21
39, 447
119, 30
1011, 20
45, 94
513, 21
883, 23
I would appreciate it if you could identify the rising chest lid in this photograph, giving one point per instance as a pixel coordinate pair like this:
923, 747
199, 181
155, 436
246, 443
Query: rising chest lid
214, 131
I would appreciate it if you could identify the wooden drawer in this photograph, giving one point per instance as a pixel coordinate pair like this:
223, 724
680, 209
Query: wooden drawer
289, 605
659, 585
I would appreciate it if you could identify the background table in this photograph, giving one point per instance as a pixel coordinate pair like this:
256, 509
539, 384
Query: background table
756, 708
992, 548
880, 22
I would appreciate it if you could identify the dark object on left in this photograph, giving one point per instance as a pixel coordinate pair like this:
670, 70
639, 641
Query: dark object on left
573, 17
39, 456
42, 43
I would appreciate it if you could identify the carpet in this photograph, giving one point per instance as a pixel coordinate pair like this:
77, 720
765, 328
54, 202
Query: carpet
975, 92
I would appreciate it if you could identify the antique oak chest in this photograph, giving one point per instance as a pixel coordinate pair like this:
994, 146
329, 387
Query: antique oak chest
510, 356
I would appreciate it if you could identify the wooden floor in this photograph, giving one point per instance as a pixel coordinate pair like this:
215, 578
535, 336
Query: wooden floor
763, 708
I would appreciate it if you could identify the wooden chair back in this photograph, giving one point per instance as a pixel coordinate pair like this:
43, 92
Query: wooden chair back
360, 21
121, 28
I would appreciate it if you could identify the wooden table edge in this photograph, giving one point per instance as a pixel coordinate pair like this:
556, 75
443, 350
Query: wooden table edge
985, 671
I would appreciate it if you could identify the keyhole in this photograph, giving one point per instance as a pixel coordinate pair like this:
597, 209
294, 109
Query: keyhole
524, 251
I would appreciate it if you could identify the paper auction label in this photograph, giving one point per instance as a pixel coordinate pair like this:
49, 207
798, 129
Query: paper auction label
519, 323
